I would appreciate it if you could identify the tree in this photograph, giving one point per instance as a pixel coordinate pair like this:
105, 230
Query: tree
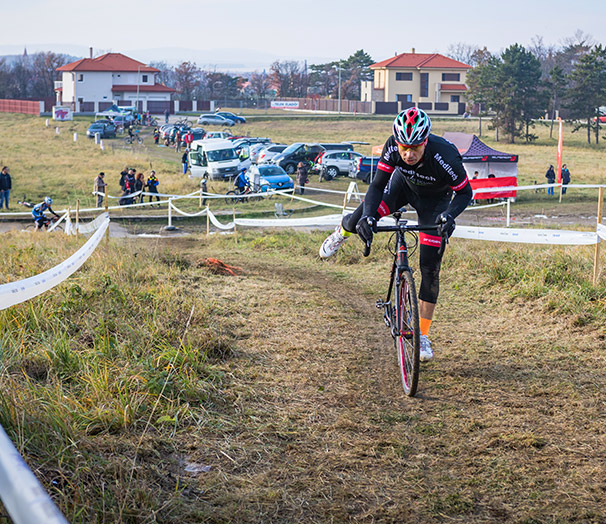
187, 80
556, 85
462, 52
587, 91
259, 85
44, 73
166, 75
324, 78
509, 85
290, 78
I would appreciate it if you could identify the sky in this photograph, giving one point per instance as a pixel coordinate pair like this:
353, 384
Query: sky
251, 34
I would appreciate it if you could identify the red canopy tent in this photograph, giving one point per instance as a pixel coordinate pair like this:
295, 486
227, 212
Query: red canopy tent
477, 156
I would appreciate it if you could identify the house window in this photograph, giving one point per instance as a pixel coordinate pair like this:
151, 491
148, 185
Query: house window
404, 98
404, 76
424, 84
455, 98
80, 100
144, 79
80, 77
451, 77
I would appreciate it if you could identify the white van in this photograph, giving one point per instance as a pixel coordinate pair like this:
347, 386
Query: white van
215, 158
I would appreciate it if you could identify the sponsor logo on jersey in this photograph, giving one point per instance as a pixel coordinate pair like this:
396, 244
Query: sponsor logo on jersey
446, 166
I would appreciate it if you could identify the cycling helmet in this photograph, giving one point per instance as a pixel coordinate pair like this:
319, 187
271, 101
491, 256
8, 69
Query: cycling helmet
411, 127
48, 201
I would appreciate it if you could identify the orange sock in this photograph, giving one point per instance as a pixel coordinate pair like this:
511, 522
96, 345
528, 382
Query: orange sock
424, 324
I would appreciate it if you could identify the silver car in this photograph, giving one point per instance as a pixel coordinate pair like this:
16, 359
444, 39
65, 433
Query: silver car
335, 163
266, 154
213, 119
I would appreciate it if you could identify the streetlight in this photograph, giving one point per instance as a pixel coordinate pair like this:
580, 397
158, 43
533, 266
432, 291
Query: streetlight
138, 75
338, 68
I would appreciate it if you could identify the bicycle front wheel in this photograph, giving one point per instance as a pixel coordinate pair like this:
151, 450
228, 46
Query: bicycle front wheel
407, 338
230, 197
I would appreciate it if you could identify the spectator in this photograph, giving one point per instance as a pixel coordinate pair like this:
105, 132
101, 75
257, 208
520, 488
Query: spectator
5, 186
123, 175
156, 135
302, 177
550, 176
189, 138
99, 188
152, 186
476, 174
184, 161
565, 179
139, 186
204, 188
166, 114
241, 183
178, 141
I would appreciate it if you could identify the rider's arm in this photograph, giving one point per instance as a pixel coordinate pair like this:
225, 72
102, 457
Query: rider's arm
51, 210
385, 168
461, 200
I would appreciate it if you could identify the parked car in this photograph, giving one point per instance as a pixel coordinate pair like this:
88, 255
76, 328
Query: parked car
275, 176
237, 119
334, 163
269, 152
255, 150
123, 120
105, 129
223, 135
364, 168
214, 119
250, 140
302, 152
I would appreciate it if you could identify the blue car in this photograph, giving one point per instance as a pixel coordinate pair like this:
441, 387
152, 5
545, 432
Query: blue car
275, 176
230, 116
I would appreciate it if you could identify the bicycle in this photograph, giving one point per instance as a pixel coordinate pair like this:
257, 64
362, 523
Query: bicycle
401, 315
234, 196
45, 223
135, 138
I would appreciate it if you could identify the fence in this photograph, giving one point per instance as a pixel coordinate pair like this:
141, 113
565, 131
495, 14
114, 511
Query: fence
28, 107
332, 105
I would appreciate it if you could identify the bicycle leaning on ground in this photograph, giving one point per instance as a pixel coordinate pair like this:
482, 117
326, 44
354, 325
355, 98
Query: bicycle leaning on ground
235, 196
401, 315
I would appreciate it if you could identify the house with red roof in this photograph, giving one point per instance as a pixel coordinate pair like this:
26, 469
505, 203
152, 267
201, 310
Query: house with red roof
432, 82
93, 84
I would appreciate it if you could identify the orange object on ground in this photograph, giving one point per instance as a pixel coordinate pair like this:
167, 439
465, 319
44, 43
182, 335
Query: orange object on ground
218, 266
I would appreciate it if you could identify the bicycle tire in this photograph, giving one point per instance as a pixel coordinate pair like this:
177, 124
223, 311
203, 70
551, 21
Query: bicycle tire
229, 199
407, 339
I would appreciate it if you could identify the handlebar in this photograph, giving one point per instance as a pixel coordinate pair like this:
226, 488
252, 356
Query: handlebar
403, 226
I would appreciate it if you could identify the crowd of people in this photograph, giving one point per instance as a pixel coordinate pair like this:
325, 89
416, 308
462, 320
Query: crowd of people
133, 185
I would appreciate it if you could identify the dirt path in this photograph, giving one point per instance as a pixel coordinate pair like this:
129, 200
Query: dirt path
317, 429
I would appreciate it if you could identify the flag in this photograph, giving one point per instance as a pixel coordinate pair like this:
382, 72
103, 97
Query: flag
559, 158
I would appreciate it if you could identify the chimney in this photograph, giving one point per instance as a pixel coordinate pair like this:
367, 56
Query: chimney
412, 50
91, 51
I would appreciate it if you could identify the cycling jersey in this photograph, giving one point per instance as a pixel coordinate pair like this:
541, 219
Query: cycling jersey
439, 172
39, 209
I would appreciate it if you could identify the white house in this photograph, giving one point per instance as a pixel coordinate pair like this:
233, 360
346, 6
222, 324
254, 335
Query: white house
93, 84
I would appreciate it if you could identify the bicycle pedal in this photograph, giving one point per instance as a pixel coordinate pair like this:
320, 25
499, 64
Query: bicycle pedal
379, 304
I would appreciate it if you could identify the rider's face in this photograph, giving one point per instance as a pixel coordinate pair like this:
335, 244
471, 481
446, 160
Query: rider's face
412, 154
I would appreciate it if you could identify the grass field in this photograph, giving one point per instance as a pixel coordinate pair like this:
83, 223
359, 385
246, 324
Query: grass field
150, 388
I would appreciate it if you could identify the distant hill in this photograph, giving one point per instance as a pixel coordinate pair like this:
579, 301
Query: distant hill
221, 59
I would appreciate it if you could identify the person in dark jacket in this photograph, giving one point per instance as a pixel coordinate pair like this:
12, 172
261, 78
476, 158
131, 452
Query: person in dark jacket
139, 186
152, 186
550, 176
184, 161
302, 177
5, 186
565, 178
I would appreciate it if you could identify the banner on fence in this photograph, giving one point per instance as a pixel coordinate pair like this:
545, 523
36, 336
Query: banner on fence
285, 104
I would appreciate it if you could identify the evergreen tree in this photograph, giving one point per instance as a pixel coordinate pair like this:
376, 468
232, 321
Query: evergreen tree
587, 91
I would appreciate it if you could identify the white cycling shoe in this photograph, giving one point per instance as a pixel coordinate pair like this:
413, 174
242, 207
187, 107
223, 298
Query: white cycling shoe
426, 353
332, 243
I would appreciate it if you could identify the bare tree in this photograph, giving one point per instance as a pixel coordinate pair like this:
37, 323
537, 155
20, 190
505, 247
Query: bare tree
187, 79
290, 78
462, 52
259, 84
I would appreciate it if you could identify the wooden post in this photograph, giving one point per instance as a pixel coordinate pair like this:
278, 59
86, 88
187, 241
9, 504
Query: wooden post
233, 210
106, 204
596, 255
200, 202
293, 192
207, 221
77, 215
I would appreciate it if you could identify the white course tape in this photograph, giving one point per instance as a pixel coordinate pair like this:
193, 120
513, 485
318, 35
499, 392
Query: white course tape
200, 213
22, 290
88, 227
602, 231
22, 494
527, 236
326, 220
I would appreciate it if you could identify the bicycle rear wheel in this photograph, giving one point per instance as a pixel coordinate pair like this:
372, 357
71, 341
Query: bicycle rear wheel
407, 339
230, 197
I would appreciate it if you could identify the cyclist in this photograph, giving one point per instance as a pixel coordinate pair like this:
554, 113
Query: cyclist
241, 183
422, 170
38, 212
